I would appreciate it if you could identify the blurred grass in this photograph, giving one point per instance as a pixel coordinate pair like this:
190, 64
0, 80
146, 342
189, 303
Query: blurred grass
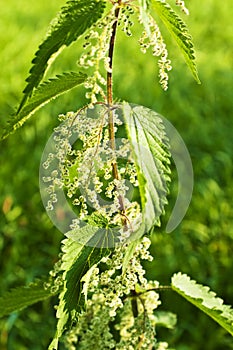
202, 244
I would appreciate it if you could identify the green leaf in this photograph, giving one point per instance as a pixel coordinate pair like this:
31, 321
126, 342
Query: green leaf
96, 232
73, 20
179, 31
204, 299
76, 261
21, 297
150, 151
45, 92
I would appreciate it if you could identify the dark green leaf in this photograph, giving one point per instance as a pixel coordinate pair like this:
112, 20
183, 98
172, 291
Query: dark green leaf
45, 92
77, 260
151, 155
21, 297
179, 31
73, 20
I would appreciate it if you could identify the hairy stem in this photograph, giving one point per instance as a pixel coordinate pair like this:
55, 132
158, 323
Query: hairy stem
110, 55
110, 103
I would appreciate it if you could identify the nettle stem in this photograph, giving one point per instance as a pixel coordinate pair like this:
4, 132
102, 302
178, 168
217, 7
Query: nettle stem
110, 104
110, 55
109, 87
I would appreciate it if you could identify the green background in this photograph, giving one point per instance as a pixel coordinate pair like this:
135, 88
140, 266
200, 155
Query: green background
202, 244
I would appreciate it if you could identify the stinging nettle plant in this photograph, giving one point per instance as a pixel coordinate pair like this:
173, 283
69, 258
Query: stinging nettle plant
111, 161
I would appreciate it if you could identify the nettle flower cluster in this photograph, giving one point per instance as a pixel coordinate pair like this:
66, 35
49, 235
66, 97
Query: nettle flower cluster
96, 46
96, 50
121, 304
152, 38
182, 6
83, 158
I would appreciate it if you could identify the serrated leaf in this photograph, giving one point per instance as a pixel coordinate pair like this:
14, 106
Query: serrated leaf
204, 299
45, 92
76, 261
73, 20
150, 151
178, 29
96, 233
21, 297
